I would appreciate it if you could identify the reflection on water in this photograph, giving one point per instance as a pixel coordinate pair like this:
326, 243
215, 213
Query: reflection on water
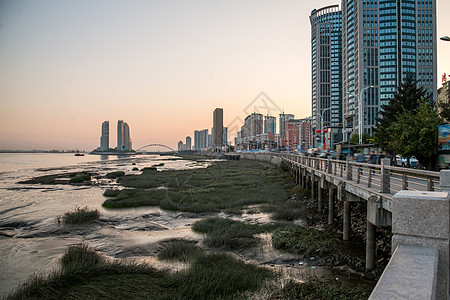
31, 240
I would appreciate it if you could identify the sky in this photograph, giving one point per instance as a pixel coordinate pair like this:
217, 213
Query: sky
161, 66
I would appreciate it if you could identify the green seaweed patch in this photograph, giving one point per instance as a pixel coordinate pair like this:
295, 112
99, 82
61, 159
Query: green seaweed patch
116, 174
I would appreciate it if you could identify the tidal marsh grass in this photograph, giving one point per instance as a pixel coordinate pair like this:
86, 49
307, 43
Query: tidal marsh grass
78, 216
315, 289
307, 241
224, 186
116, 174
230, 235
111, 193
180, 250
87, 276
80, 178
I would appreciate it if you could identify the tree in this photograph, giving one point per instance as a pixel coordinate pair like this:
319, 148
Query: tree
444, 106
407, 99
415, 133
365, 138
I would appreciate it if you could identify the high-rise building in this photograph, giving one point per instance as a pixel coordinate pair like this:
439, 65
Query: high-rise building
270, 124
180, 146
123, 136
188, 143
104, 139
284, 118
120, 135
225, 136
200, 139
326, 49
217, 130
383, 43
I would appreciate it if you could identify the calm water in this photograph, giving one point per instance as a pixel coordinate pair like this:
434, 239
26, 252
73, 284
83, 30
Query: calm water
31, 241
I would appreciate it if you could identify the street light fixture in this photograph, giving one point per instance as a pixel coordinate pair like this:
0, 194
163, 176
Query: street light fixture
360, 114
321, 124
445, 38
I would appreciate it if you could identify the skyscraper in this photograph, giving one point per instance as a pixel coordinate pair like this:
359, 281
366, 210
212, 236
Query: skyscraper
217, 130
326, 49
104, 139
284, 118
384, 42
123, 136
270, 124
188, 143
200, 139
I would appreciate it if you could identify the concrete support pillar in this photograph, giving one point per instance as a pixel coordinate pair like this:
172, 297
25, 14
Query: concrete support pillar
319, 198
385, 180
331, 193
370, 246
347, 225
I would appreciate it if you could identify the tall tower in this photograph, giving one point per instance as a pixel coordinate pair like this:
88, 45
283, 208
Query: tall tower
384, 42
217, 130
104, 139
326, 49
270, 124
120, 128
284, 118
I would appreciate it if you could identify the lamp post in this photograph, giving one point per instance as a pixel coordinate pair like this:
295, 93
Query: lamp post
360, 114
321, 124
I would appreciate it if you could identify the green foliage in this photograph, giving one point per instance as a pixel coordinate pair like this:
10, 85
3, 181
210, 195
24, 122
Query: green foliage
86, 275
111, 193
116, 174
228, 234
406, 99
78, 216
315, 289
80, 178
415, 134
80, 256
307, 241
366, 138
444, 106
223, 186
178, 250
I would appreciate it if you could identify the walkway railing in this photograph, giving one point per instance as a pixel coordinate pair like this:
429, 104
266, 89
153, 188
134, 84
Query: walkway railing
385, 178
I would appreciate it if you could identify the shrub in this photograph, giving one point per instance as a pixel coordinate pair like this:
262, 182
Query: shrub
78, 257
111, 193
114, 175
78, 216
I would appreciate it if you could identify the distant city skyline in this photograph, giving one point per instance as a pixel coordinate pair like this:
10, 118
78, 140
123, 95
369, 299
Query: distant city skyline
162, 66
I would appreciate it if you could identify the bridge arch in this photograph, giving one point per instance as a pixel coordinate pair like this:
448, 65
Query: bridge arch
156, 145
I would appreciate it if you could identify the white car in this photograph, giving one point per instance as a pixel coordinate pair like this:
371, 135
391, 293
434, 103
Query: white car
403, 161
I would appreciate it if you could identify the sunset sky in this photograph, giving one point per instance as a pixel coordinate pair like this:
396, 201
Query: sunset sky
161, 66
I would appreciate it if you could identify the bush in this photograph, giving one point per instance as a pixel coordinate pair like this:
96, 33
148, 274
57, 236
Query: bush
178, 250
78, 257
111, 193
307, 241
80, 178
78, 216
116, 174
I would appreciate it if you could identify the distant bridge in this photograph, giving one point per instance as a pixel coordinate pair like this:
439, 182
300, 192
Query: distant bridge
156, 145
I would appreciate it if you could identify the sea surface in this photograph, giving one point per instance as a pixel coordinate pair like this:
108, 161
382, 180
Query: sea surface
32, 242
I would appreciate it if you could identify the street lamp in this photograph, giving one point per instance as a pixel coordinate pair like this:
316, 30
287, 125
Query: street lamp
360, 114
321, 124
445, 38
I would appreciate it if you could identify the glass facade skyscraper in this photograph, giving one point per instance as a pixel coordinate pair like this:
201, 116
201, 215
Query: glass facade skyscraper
326, 49
384, 42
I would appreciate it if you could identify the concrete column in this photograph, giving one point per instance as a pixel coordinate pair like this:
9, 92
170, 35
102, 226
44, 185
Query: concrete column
347, 225
319, 198
370, 246
385, 183
349, 169
331, 193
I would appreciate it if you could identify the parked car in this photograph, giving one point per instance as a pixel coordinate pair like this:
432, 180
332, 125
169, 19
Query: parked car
401, 161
